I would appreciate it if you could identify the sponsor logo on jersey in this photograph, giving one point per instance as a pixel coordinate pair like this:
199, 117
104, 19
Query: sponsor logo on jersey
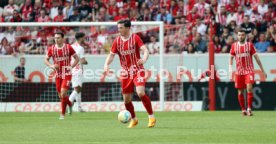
127, 52
62, 58
243, 55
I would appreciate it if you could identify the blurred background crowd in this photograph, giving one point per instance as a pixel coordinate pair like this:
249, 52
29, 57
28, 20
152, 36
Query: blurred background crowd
188, 24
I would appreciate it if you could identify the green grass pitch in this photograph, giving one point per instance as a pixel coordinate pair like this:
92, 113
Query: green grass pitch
222, 127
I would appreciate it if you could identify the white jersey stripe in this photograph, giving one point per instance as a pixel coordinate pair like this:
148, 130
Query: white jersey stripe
130, 56
136, 59
56, 49
241, 60
251, 65
63, 54
248, 57
245, 58
68, 54
122, 44
238, 59
134, 54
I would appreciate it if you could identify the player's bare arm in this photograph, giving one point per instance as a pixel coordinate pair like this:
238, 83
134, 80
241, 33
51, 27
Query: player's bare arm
108, 61
83, 61
230, 66
47, 62
76, 60
231, 63
145, 51
260, 64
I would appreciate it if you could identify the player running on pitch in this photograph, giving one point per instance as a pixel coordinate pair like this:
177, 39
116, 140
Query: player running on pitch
77, 71
128, 47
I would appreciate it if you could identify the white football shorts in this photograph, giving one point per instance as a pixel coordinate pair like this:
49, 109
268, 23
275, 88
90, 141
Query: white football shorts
77, 80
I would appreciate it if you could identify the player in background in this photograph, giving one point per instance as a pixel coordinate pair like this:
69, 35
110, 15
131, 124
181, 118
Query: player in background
77, 71
61, 54
19, 72
243, 51
128, 47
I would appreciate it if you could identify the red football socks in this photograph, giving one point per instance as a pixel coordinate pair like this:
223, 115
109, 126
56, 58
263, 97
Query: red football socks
249, 100
129, 106
63, 106
147, 104
68, 101
241, 101
65, 101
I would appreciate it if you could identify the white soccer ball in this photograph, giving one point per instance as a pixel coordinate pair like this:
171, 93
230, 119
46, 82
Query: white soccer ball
124, 116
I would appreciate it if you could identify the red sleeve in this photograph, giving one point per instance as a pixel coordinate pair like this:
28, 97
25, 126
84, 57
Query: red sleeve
139, 42
252, 49
232, 50
114, 46
50, 52
71, 50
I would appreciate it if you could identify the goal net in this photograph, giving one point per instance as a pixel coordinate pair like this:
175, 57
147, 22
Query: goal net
100, 92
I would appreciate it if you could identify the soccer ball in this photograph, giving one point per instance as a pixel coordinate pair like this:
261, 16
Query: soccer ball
124, 116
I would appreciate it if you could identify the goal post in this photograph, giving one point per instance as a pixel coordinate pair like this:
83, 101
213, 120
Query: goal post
161, 32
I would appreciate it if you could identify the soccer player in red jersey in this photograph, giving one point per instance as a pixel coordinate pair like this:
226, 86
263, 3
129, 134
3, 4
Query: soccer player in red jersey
128, 46
243, 51
61, 54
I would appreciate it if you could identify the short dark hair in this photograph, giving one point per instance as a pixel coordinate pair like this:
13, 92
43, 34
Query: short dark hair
126, 22
79, 35
60, 33
241, 31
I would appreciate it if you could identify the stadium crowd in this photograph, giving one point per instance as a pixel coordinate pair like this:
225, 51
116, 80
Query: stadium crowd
188, 23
